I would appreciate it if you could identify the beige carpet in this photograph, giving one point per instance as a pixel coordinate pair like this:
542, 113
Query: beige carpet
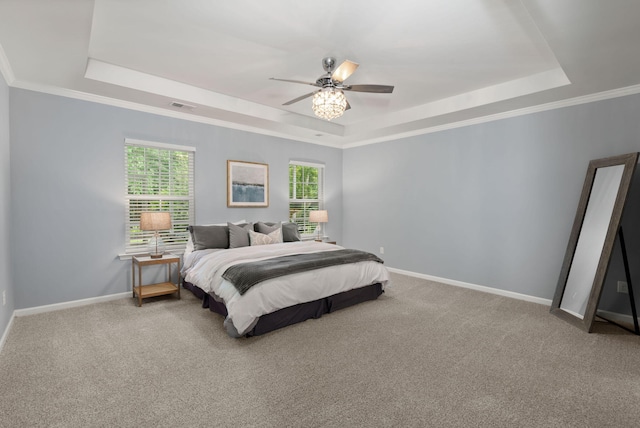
422, 355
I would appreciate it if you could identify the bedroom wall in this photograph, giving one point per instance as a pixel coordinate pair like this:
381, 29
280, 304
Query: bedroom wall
490, 204
6, 284
611, 300
68, 202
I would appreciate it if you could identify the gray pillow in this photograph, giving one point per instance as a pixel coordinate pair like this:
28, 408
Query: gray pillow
290, 231
266, 228
239, 235
204, 237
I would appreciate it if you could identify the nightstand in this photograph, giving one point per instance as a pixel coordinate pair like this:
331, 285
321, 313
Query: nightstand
159, 289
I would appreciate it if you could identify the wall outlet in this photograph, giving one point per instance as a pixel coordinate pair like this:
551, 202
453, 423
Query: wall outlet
4, 297
381, 250
623, 287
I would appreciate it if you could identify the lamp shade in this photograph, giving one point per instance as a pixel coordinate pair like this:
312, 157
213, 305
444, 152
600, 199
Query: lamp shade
320, 216
155, 220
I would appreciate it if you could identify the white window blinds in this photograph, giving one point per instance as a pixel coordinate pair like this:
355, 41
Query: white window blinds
306, 187
158, 177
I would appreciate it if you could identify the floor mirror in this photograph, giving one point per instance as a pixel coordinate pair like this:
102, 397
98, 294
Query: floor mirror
592, 238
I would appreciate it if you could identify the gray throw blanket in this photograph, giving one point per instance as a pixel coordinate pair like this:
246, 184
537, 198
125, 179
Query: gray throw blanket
245, 275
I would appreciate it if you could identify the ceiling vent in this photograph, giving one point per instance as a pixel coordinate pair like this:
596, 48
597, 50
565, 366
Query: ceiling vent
178, 104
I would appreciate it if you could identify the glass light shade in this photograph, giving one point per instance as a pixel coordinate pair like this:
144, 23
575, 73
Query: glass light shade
329, 103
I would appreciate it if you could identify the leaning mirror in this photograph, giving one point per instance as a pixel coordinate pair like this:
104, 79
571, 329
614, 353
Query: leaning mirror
593, 235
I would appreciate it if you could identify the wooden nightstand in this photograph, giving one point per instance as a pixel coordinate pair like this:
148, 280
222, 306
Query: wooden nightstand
159, 289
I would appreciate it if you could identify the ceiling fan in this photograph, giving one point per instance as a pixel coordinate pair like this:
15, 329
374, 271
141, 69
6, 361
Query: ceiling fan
329, 101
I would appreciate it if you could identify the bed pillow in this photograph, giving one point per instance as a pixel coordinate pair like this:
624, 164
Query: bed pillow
290, 231
205, 237
258, 238
239, 234
189, 247
266, 228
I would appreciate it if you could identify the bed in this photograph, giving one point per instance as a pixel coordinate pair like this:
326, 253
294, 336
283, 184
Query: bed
289, 280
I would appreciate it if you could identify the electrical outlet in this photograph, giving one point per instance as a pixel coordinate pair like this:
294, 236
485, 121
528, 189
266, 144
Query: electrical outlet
381, 250
4, 297
623, 287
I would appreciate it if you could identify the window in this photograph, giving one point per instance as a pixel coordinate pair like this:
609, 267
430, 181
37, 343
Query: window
306, 182
159, 177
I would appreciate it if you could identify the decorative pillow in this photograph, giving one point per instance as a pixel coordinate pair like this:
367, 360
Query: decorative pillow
266, 228
204, 237
258, 238
290, 231
239, 234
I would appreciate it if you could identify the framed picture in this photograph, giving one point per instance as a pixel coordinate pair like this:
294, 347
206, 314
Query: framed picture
247, 184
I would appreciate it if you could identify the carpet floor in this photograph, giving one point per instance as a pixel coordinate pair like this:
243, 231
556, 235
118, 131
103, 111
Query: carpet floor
423, 355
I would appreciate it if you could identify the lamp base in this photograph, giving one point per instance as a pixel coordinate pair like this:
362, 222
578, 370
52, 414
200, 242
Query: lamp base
156, 247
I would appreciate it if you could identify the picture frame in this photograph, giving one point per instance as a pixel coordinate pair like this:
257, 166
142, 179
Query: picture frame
247, 184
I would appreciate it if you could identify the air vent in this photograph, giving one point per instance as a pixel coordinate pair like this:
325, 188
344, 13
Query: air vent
178, 104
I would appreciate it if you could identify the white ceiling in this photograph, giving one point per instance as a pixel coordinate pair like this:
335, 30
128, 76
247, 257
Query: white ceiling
452, 62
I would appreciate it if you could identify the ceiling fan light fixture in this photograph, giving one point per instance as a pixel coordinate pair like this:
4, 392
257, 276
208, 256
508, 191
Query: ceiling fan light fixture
329, 103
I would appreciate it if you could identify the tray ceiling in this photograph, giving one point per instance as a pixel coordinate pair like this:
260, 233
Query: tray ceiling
452, 63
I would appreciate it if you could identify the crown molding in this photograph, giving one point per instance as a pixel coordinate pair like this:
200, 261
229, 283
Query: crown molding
585, 99
129, 105
600, 96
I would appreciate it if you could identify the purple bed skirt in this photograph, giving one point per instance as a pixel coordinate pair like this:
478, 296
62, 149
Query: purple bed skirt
297, 313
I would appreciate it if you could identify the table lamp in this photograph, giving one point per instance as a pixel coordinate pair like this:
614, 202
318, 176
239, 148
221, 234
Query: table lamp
155, 221
319, 216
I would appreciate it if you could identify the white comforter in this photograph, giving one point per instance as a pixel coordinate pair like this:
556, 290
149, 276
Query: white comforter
205, 268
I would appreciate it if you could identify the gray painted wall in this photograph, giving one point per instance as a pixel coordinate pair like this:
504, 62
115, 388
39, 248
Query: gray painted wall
67, 176
610, 299
490, 204
6, 285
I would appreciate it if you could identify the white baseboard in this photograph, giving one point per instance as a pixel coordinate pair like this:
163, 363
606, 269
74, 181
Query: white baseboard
57, 307
616, 317
92, 300
6, 331
72, 304
483, 288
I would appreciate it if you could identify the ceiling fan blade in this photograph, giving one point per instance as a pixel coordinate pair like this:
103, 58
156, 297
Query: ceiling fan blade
300, 98
348, 106
379, 89
294, 81
345, 70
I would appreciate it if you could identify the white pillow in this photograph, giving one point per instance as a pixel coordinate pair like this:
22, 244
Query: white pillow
189, 248
257, 238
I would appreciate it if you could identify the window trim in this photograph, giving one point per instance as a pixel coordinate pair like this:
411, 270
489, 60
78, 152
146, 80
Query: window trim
321, 185
176, 248
166, 146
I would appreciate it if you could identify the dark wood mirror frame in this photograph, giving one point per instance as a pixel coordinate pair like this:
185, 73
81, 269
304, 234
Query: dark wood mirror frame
586, 323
